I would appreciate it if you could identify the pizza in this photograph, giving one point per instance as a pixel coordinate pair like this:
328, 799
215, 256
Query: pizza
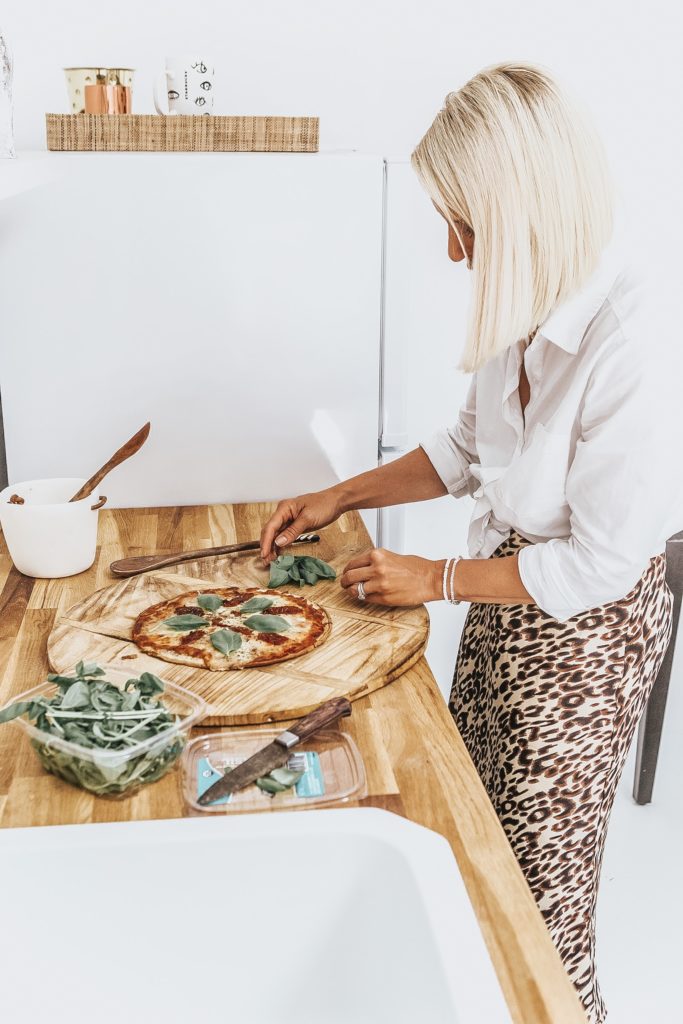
231, 628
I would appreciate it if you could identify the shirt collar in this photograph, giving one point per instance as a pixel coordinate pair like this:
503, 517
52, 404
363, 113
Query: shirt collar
567, 323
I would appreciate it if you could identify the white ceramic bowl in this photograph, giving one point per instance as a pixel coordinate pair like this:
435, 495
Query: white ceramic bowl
49, 536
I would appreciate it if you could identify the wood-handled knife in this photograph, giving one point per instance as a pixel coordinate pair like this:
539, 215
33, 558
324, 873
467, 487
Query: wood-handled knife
277, 753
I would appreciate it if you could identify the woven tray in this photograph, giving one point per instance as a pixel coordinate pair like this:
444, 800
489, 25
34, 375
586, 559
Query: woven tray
156, 133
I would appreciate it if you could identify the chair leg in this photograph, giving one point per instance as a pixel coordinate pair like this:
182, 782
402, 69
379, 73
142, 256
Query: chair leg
650, 728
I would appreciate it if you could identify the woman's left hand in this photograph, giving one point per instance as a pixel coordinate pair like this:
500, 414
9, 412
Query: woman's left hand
388, 578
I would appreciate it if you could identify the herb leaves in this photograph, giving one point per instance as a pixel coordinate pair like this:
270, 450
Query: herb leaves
278, 780
267, 623
226, 640
109, 723
299, 569
183, 623
257, 604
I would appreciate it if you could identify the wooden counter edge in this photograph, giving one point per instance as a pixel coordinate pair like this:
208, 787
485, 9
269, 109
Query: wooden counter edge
437, 784
535, 984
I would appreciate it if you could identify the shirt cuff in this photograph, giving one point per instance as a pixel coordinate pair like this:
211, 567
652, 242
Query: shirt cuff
543, 578
452, 473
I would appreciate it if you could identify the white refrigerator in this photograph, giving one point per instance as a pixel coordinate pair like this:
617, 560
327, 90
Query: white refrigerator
284, 321
424, 313
232, 299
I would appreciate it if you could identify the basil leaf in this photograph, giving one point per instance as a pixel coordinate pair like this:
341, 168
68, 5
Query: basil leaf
209, 602
102, 699
299, 569
91, 670
226, 640
267, 623
256, 604
75, 733
279, 780
14, 710
323, 569
184, 622
37, 708
129, 699
277, 576
77, 696
306, 562
285, 776
64, 682
148, 684
269, 785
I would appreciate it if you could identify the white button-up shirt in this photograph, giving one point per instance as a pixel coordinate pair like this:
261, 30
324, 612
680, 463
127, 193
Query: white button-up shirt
589, 472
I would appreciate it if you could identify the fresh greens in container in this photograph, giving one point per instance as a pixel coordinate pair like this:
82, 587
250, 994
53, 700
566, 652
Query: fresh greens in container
105, 731
299, 569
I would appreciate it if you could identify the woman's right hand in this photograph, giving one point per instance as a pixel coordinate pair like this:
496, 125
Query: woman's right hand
298, 515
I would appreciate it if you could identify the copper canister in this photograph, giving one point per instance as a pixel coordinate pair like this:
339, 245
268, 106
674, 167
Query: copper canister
108, 99
77, 80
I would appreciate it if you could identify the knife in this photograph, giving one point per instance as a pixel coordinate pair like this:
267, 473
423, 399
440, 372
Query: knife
277, 753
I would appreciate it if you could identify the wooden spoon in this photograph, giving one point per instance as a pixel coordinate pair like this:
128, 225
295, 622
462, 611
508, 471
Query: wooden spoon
129, 448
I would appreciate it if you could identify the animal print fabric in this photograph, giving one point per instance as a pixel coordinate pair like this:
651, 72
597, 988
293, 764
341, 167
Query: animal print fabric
548, 710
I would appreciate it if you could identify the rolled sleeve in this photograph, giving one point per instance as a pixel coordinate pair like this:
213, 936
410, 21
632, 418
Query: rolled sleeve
452, 451
620, 490
564, 580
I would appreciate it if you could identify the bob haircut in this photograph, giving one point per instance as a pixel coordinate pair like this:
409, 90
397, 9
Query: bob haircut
509, 157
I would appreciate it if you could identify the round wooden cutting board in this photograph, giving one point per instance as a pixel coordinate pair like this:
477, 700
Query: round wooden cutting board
368, 646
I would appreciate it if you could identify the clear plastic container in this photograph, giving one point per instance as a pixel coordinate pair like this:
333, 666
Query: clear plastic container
115, 773
332, 765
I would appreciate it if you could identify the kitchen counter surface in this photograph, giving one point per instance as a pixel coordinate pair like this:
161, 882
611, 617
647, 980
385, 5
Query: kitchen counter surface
415, 760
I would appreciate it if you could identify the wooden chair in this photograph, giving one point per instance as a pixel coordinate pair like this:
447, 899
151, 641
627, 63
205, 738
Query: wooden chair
650, 728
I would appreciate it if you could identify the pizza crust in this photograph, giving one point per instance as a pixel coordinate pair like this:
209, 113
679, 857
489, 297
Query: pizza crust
310, 627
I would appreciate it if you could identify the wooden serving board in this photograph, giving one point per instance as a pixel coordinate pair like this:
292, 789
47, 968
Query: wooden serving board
369, 645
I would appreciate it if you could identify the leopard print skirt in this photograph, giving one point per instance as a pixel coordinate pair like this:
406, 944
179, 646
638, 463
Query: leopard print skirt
548, 711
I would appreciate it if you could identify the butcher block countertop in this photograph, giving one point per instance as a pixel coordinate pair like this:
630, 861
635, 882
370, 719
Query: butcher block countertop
415, 760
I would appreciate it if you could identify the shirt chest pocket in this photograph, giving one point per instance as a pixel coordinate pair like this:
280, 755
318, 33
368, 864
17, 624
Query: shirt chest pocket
533, 486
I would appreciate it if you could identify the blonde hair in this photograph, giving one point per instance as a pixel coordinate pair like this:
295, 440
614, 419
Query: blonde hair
510, 156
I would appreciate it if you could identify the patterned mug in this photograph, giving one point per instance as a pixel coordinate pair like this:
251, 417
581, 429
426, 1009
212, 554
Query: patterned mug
187, 85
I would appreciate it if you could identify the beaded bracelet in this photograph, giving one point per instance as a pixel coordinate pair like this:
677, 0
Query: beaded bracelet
449, 574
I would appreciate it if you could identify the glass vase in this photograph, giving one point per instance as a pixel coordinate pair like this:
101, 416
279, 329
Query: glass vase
6, 113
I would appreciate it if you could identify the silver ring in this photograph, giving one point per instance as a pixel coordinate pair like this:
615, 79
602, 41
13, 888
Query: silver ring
361, 592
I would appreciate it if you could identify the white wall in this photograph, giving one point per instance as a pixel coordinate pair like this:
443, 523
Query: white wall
376, 71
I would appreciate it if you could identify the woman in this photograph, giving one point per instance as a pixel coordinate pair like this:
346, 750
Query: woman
557, 443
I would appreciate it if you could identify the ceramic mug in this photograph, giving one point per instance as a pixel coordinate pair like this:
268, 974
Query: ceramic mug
187, 84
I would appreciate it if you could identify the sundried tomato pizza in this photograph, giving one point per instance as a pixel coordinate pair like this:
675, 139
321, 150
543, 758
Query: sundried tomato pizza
231, 628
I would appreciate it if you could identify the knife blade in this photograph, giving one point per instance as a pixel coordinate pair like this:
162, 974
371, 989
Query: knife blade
276, 754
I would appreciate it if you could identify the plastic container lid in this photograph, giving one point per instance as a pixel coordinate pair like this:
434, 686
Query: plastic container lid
332, 765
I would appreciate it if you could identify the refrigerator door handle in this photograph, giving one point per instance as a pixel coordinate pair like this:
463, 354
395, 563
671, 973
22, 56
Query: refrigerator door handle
391, 528
393, 442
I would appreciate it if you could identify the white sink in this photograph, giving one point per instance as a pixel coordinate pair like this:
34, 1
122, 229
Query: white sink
325, 917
